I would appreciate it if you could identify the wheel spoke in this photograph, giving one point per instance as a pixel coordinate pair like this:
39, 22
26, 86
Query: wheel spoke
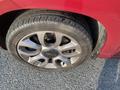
27, 53
68, 46
66, 61
41, 36
29, 43
58, 39
61, 61
73, 54
33, 59
36, 60
72, 49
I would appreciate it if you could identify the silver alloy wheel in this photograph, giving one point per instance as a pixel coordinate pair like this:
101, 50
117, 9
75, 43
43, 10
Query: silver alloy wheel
49, 49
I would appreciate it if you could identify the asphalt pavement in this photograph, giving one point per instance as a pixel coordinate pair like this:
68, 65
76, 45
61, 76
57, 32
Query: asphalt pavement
95, 74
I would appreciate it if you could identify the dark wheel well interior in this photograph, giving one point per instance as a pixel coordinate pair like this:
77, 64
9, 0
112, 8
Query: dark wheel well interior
7, 19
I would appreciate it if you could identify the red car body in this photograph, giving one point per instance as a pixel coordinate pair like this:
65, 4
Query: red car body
105, 11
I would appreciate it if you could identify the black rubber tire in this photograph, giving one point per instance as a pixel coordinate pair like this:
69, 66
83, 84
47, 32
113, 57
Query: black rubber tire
27, 23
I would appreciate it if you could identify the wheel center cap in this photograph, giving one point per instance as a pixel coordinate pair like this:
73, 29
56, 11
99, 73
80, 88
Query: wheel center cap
50, 53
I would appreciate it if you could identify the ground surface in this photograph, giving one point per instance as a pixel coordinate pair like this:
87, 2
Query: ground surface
91, 75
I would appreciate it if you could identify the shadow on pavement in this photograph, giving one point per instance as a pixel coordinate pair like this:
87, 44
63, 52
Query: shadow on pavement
109, 78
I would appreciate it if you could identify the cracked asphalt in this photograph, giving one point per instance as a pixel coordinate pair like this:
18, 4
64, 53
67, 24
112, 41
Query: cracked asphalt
95, 74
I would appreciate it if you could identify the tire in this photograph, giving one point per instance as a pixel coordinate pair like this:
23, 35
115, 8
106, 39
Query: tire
35, 20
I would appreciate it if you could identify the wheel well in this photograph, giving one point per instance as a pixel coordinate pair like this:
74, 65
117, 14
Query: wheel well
7, 19
5, 22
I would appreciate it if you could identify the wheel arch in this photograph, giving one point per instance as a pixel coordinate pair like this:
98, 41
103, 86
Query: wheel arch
97, 29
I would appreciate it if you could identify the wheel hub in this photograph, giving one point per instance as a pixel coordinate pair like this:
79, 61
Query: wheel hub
51, 53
